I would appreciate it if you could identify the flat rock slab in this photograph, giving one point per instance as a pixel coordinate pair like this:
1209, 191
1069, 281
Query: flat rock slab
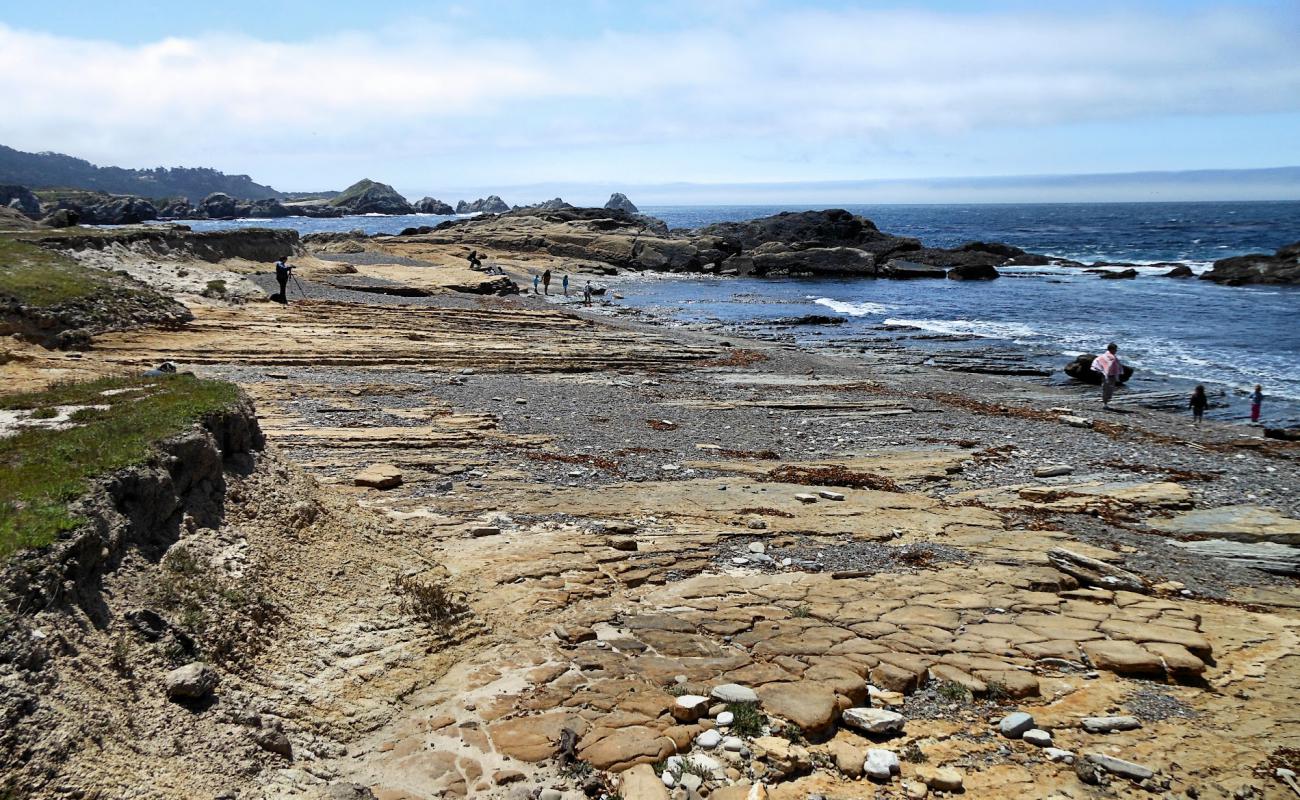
1109, 724
379, 476
876, 721
1120, 767
1242, 523
809, 705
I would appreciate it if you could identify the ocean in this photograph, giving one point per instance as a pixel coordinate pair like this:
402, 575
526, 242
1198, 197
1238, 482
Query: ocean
1176, 332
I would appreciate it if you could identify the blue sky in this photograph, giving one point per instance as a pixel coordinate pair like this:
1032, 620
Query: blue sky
455, 98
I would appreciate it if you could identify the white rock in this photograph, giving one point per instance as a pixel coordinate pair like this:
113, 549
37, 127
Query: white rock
668, 778
709, 739
740, 561
733, 693
1120, 767
726, 718
1110, 724
806, 498
1053, 470
1013, 725
1057, 754
1037, 737
880, 765
826, 494
733, 744
1075, 422
690, 707
690, 781
873, 720
757, 547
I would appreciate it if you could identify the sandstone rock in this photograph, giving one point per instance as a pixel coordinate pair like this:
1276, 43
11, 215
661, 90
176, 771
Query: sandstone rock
689, 707
880, 765
193, 681
733, 693
573, 634
641, 783
350, 791
480, 531
1014, 725
782, 758
625, 543
809, 705
1125, 658
848, 759
804, 497
826, 494
944, 779
1120, 767
915, 790
1056, 754
379, 476
1053, 471
625, 747
1109, 724
874, 721
1037, 737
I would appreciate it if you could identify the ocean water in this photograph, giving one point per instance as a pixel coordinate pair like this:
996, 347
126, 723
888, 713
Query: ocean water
1176, 332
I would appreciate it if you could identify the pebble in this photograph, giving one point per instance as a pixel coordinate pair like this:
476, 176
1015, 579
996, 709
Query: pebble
757, 547
806, 498
521, 401
1056, 754
880, 765
726, 718
709, 739
733, 744
1037, 737
1110, 724
1053, 471
1075, 422
1014, 725
484, 530
551, 794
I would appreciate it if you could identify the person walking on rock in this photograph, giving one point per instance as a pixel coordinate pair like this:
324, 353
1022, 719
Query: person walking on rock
282, 272
546, 281
565, 283
1256, 400
1198, 403
1111, 371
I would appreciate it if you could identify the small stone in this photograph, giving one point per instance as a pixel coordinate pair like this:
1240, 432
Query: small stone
690, 782
709, 739
1037, 737
1110, 724
351, 791
915, 790
756, 524
1056, 754
733, 744
573, 634
757, 547
943, 779
1120, 767
551, 794
880, 765
725, 719
624, 543
733, 693
273, 740
478, 532
191, 682
379, 476
826, 494
503, 777
523, 402
1075, 422
806, 498
1014, 725
1053, 471
875, 721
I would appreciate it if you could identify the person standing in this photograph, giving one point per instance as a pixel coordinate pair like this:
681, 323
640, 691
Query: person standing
1256, 400
282, 272
565, 283
586, 294
536, 280
546, 281
1198, 403
1111, 370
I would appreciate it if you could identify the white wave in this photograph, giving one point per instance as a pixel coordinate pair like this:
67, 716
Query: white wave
1014, 331
852, 309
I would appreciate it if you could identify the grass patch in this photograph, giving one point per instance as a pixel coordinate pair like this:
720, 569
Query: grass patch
42, 470
34, 276
747, 720
953, 692
215, 288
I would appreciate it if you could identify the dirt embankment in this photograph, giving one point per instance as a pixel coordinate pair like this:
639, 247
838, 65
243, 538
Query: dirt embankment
252, 244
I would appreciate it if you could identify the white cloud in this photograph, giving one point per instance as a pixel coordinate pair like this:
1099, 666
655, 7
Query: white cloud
799, 77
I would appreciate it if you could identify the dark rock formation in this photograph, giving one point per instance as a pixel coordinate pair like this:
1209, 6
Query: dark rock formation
253, 244
217, 205
973, 272
1114, 275
115, 211
900, 269
1081, 370
176, 208
1180, 271
491, 204
556, 204
773, 259
808, 319
370, 197
61, 218
429, 205
830, 228
1283, 267
21, 199
619, 202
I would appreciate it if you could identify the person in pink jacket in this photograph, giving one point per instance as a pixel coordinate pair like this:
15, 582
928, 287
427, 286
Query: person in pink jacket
1111, 370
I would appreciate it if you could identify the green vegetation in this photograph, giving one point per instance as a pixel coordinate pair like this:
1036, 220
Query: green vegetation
215, 288
801, 612
43, 470
225, 616
747, 720
356, 190
35, 276
952, 691
997, 692
794, 734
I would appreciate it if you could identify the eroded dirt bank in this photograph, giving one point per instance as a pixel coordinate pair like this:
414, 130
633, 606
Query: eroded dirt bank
626, 533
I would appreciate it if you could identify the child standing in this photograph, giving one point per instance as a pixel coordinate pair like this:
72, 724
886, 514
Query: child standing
1256, 400
1198, 404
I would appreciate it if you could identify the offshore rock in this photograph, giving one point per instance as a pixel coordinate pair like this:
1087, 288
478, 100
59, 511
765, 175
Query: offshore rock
429, 205
1281, 267
619, 202
1081, 370
492, 204
371, 197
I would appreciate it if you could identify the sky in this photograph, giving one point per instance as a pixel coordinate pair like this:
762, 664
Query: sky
456, 99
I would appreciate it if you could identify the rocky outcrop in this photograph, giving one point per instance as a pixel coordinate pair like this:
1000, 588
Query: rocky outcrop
113, 211
555, 204
1180, 271
619, 202
1283, 267
252, 244
223, 206
61, 218
1113, 275
781, 260
429, 205
491, 204
906, 269
371, 197
176, 208
973, 272
1081, 370
21, 199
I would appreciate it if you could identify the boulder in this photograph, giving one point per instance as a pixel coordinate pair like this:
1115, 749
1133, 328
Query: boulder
61, 218
217, 205
641, 783
619, 202
193, 681
1037, 737
21, 199
1123, 274
118, 211
815, 261
1014, 725
428, 205
874, 721
881, 765
371, 197
1180, 271
1109, 724
1283, 267
973, 272
1081, 370
379, 476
